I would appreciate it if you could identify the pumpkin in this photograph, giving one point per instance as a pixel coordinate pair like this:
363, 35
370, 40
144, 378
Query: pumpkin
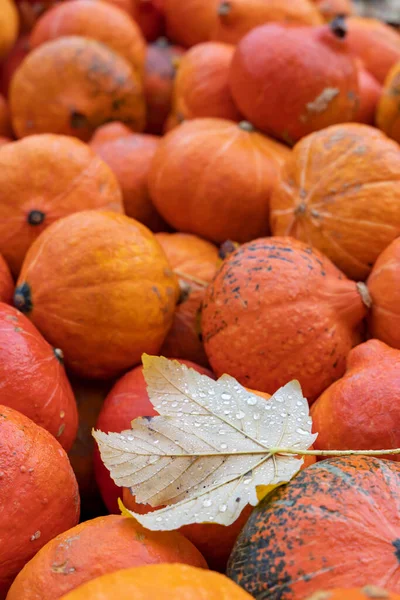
384, 288
43, 178
238, 17
178, 582
360, 410
33, 380
191, 22
127, 400
307, 317
375, 43
129, 157
101, 21
98, 285
149, 18
12, 61
161, 61
38, 493
5, 123
125, 5
202, 171
334, 525
201, 86
339, 192
387, 116
368, 592
4, 140
317, 87
77, 556
110, 132
6, 282
334, 8
85, 84
9, 23
195, 261
370, 92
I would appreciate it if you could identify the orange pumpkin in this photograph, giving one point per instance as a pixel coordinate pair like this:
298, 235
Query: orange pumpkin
334, 8
12, 61
5, 123
79, 96
387, 116
4, 140
317, 87
307, 317
43, 178
237, 17
98, 285
9, 23
370, 92
160, 70
101, 21
384, 288
78, 555
149, 17
177, 582
38, 493
368, 592
335, 525
201, 86
360, 411
339, 192
6, 282
190, 22
129, 156
375, 43
202, 171
110, 132
195, 263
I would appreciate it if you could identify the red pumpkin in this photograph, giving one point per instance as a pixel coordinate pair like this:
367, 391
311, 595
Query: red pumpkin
334, 525
384, 288
6, 282
190, 22
149, 17
12, 61
370, 91
278, 310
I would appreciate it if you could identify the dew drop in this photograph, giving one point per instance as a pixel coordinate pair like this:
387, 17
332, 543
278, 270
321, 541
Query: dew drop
240, 415
130, 438
222, 508
267, 406
202, 394
223, 446
283, 414
158, 519
179, 414
256, 416
156, 441
299, 403
207, 503
251, 401
302, 431
174, 404
227, 412
278, 399
221, 432
164, 402
247, 480
122, 437
197, 424
226, 396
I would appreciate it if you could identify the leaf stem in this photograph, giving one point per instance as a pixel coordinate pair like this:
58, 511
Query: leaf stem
190, 278
334, 452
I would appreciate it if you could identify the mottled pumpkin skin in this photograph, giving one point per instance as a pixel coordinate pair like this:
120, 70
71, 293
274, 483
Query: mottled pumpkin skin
98, 285
361, 411
195, 258
334, 525
388, 113
287, 92
6, 282
9, 23
78, 555
85, 83
44, 178
191, 22
101, 21
38, 493
384, 288
307, 317
5, 123
238, 17
368, 592
199, 187
202, 83
180, 582
162, 59
370, 91
33, 379
339, 192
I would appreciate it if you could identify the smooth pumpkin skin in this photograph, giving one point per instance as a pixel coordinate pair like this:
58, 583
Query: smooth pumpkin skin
9, 23
201, 173
291, 81
4, 140
237, 17
10, 63
334, 8
334, 525
387, 116
201, 86
78, 555
370, 91
339, 192
368, 592
191, 22
149, 17
308, 317
384, 288
162, 60
38, 493
360, 411
5, 123
85, 83
100, 21
44, 178
6, 282
127, 400
99, 285
198, 259
33, 379
375, 42
178, 582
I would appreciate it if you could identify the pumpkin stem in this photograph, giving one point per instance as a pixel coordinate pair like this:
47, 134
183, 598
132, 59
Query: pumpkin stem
246, 126
339, 26
227, 248
184, 289
291, 451
59, 354
224, 8
36, 217
364, 293
190, 278
23, 298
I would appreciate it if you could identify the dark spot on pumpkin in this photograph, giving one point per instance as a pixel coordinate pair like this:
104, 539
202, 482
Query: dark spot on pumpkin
78, 120
23, 297
396, 544
36, 217
339, 26
116, 104
59, 354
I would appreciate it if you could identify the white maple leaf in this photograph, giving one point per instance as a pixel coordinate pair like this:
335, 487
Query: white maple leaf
213, 445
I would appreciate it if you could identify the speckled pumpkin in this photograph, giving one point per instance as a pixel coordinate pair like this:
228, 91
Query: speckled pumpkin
334, 525
98, 285
6, 282
384, 288
85, 84
38, 492
388, 113
78, 555
278, 310
368, 592
201, 174
339, 192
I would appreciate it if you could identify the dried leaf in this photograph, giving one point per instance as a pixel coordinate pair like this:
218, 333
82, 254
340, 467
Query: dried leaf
211, 450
